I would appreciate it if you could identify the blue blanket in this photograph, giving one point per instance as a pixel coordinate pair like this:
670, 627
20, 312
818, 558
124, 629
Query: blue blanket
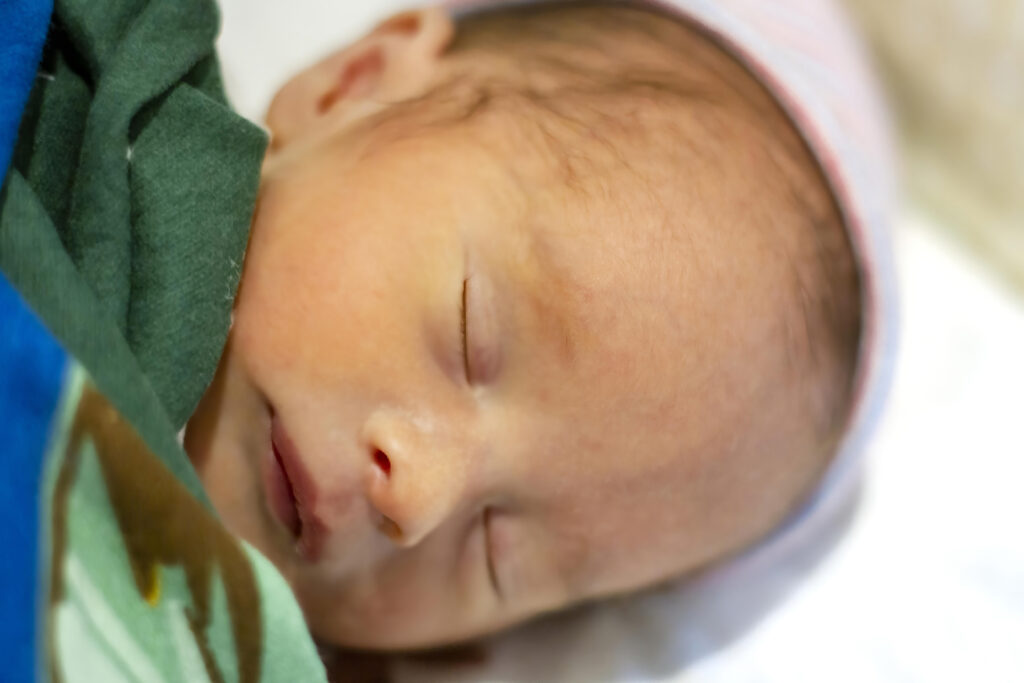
31, 366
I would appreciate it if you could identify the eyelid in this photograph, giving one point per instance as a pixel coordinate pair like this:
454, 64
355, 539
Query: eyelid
492, 573
482, 348
463, 331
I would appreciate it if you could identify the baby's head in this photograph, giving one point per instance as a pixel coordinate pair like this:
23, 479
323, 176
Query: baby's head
546, 305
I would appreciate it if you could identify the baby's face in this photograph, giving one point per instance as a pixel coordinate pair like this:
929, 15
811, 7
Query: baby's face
457, 393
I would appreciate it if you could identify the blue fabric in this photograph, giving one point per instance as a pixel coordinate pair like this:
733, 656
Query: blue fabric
23, 26
31, 372
31, 375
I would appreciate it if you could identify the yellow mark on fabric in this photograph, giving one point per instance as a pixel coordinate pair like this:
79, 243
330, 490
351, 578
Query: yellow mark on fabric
152, 594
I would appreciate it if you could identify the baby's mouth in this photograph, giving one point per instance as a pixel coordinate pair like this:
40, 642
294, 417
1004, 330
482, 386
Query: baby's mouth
289, 509
289, 495
280, 491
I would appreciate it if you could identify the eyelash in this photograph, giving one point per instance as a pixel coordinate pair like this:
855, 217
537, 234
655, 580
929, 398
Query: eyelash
491, 570
462, 329
485, 516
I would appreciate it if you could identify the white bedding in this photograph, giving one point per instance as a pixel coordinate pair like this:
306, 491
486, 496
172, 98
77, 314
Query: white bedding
926, 583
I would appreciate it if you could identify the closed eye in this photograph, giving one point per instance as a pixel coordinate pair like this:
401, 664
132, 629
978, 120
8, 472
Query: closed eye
462, 329
492, 572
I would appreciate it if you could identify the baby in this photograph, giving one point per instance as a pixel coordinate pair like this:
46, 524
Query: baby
541, 304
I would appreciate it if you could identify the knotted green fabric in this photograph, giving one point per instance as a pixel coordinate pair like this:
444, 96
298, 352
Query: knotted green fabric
125, 215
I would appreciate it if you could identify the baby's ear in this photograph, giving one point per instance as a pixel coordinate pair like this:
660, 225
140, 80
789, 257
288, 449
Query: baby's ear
394, 62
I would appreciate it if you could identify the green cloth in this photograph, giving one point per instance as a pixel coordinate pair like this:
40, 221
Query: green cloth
144, 584
125, 215
123, 223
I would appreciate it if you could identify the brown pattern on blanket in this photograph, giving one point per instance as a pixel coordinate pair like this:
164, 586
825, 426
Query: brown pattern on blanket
161, 525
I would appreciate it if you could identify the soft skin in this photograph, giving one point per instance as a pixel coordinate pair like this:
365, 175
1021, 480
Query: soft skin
626, 410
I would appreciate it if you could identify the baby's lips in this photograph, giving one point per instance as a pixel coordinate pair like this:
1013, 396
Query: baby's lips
306, 526
279, 493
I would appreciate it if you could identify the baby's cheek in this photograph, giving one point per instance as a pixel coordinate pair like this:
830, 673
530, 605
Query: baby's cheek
282, 309
264, 331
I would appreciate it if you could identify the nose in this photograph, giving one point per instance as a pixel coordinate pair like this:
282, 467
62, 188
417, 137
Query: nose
416, 474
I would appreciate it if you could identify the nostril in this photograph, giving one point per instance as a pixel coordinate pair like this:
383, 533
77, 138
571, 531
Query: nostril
389, 528
382, 461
